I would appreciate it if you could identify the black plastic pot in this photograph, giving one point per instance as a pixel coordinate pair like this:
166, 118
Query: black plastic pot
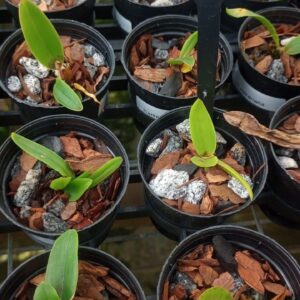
287, 190
64, 27
245, 239
83, 12
59, 125
232, 24
172, 222
150, 105
261, 91
129, 14
37, 265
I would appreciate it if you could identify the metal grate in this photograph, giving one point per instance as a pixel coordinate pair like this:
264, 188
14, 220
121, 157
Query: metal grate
124, 109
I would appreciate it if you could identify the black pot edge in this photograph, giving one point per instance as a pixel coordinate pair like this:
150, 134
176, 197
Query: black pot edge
122, 192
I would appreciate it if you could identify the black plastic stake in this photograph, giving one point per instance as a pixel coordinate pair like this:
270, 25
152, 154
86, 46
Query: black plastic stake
209, 14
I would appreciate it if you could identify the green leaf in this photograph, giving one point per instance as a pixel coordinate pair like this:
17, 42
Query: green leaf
106, 170
45, 291
189, 44
40, 35
293, 47
43, 154
60, 183
188, 60
202, 130
216, 293
205, 162
65, 96
62, 267
242, 12
77, 187
232, 172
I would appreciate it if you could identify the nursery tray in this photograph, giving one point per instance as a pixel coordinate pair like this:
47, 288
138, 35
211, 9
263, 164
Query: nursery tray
133, 226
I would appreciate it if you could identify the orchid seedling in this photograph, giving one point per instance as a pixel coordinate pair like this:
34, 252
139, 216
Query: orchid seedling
293, 45
73, 186
185, 58
62, 269
205, 142
216, 293
44, 43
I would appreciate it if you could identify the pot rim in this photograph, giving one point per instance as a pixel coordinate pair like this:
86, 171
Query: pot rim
70, 23
124, 183
242, 30
172, 18
221, 229
146, 184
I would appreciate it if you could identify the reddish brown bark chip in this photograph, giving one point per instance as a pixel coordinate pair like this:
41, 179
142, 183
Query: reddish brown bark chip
87, 268
207, 205
21, 50
36, 221
216, 175
285, 58
223, 192
16, 181
234, 164
152, 74
71, 147
225, 281
196, 277
290, 123
90, 164
68, 211
134, 58
208, 274
190, 208
250, 271
166, 161
27, 162
117, 286
84, 223
253, 42
89, 286
165, 293
264, 65
297, 124
295, 174
180, 292
276, 288
38, 279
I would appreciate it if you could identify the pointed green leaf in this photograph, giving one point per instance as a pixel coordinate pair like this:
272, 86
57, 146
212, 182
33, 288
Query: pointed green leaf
293, 47
202, 130
77, 187
60, 183
106, 170
232, 172
216, 293
62, 267
242, 13
188, 60
189, 44
204, 162
40, 35
45, 291
65, 96
43, 154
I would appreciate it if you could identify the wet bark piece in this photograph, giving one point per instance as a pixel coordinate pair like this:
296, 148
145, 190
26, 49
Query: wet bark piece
285, 58
27, 162
297, 124
68, 211
216, 175
89, 286
276, 288
117, 286
21, 50
264, 65
36, 221
225, 281
37, 280
248, 124
167, 161
295, 174
223, 192
207, 205
71, 147
87, 268
290, 122
157, 75
253, 42
250, 271
208, 274
190, 208
90, 164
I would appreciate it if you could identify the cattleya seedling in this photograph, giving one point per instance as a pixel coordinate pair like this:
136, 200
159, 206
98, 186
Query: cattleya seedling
216, 293
185, 58
44, 43
62, 269
291, 48
205, 142
73, 186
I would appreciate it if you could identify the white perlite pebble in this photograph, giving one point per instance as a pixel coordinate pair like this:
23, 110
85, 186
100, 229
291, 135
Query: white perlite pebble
162, 3
238, 188
220, 138
89, 50
14, 84
33, 84
153, 148
183, 128
98, 59
166, 183
33, 67
287, 162
195, 191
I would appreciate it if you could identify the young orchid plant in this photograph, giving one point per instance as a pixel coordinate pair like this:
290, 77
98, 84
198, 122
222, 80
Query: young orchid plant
205, 142
44, 43
291, 48
73, 186
62, 269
